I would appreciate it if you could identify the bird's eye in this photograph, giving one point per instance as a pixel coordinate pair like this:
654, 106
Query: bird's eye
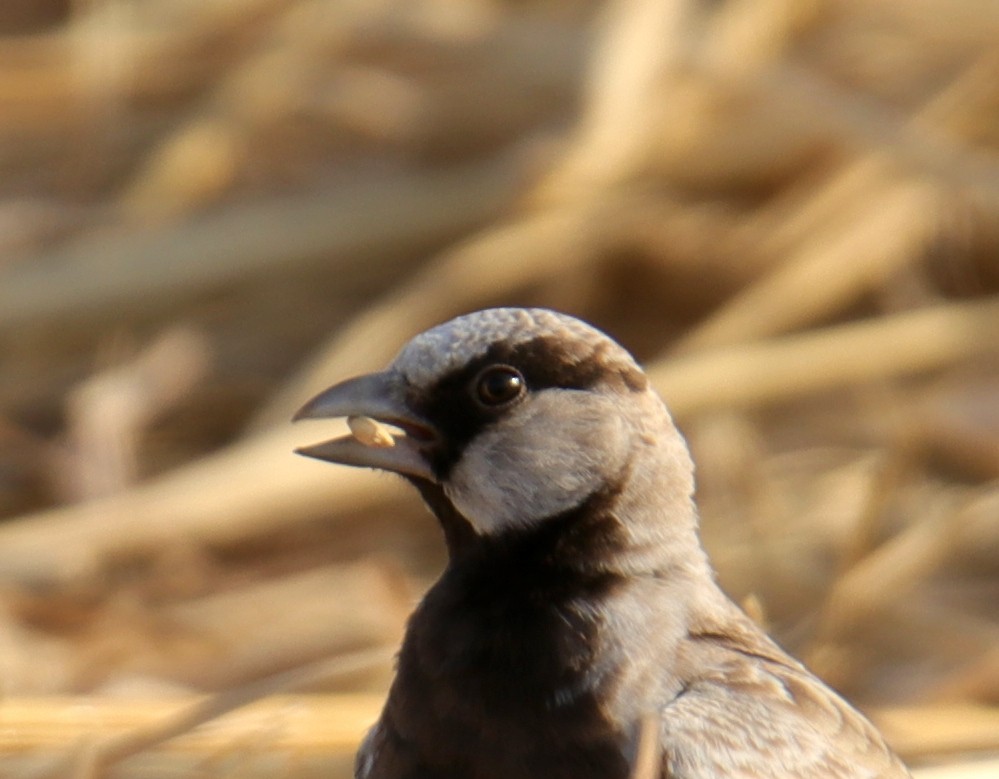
498, 385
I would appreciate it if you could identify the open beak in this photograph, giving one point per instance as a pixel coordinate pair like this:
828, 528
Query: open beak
378, 396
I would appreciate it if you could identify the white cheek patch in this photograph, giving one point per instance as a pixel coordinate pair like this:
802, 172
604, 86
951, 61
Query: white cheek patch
546, 457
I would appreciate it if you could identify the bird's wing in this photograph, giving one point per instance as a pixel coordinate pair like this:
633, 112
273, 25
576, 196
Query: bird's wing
753, 713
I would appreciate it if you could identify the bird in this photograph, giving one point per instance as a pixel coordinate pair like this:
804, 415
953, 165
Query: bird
578, 611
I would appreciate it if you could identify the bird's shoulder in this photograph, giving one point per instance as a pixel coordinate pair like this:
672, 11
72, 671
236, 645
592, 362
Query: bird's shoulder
747, 709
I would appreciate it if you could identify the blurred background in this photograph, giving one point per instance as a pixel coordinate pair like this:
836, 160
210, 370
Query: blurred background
209, 210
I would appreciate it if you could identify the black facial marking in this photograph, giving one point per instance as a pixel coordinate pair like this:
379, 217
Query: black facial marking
458, 533
454, 407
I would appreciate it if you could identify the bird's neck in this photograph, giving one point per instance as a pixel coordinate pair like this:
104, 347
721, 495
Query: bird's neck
563, 573
614, 531
544, 606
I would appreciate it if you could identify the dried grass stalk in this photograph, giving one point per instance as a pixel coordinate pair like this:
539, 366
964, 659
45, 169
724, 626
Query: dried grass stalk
793, 366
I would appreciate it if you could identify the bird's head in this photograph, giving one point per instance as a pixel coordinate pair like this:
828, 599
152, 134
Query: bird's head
508, 416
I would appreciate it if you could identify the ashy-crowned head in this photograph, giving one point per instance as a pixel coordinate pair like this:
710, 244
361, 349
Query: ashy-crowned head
513, 414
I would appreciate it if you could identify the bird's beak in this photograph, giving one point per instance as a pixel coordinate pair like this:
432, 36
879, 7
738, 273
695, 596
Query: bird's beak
381, 397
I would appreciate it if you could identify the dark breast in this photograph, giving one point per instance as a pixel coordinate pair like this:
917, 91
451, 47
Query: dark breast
497, 676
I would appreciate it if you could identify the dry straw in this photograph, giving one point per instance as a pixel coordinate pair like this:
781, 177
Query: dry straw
210, 211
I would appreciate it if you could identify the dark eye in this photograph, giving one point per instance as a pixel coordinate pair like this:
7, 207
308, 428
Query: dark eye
498, 384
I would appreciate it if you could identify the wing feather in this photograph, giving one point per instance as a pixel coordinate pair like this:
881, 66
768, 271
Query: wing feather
751, 712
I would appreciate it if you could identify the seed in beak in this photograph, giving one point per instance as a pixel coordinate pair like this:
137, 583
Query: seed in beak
370, 432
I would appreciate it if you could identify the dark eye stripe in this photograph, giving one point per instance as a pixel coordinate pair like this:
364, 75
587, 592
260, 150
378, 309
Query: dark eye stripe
544, 363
